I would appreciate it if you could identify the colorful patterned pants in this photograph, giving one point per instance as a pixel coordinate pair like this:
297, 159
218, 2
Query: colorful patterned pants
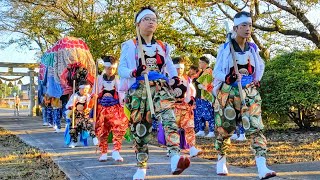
141, 119
44, 115
239, 129
109, 119
228, 110
49, 115
57, 117
184, 117
202, 113
81, 124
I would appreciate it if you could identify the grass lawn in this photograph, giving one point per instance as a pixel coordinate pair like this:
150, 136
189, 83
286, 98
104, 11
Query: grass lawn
284, 146
21, 161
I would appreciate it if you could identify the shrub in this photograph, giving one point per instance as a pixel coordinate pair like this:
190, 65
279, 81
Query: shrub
291, 86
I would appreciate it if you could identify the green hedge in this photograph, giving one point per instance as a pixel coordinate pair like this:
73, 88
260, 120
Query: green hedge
291, 88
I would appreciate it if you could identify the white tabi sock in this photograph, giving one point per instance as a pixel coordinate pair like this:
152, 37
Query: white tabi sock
116, 156
200, 134
222, 169
242, 137
140, 174
103, 157
263, 171
193, 151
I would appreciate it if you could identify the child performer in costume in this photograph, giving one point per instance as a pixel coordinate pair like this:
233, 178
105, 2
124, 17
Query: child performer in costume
185, 103
110, 115
228, 105
204, 99
81, 103
56, 114
131, 71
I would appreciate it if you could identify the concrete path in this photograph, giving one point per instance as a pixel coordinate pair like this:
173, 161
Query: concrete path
81, 163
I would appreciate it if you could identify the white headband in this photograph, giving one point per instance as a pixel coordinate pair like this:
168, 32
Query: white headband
108, 64
242, 19
84, 86
179, 66
143, 13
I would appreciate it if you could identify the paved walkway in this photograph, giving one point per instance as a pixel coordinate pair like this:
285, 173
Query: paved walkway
81, 163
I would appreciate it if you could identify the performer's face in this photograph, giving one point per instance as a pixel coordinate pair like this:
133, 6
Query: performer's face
110, 71
84, 91
148, 24
192, 72
180, 71
202, 64
244, 30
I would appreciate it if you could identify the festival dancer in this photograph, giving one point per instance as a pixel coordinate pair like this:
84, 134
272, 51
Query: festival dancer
204, 99
110, 115
239, 66
185, 103
56, 113
79, 105
132, 72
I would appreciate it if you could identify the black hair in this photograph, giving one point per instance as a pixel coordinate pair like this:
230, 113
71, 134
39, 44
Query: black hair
110, 59
242, 13
194, 67
178, 60
144, 8
205, 59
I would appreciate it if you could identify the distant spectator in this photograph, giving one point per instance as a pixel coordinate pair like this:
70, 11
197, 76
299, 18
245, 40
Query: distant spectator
16, 105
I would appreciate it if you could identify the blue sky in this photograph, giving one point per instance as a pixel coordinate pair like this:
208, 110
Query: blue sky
16, 55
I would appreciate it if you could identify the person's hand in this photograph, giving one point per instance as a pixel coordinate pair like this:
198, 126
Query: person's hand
86, 111
139, 71
231, 78
256, 83
146, 71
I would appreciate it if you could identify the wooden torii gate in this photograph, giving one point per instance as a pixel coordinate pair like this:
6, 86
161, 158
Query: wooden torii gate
31, 73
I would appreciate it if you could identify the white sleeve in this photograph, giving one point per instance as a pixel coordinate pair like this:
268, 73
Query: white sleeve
193, 90
261, 67
121, 94
88, 99
170, 68
123, 69
100, 85
218, 72
70, 102
117, 83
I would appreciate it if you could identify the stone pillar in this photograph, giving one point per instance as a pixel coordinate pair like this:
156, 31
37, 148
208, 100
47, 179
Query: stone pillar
32, 91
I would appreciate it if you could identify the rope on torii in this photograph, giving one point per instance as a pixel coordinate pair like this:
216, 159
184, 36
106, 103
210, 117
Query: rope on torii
15, 79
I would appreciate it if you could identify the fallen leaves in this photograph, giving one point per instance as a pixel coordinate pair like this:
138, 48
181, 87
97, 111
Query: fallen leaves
21, 161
